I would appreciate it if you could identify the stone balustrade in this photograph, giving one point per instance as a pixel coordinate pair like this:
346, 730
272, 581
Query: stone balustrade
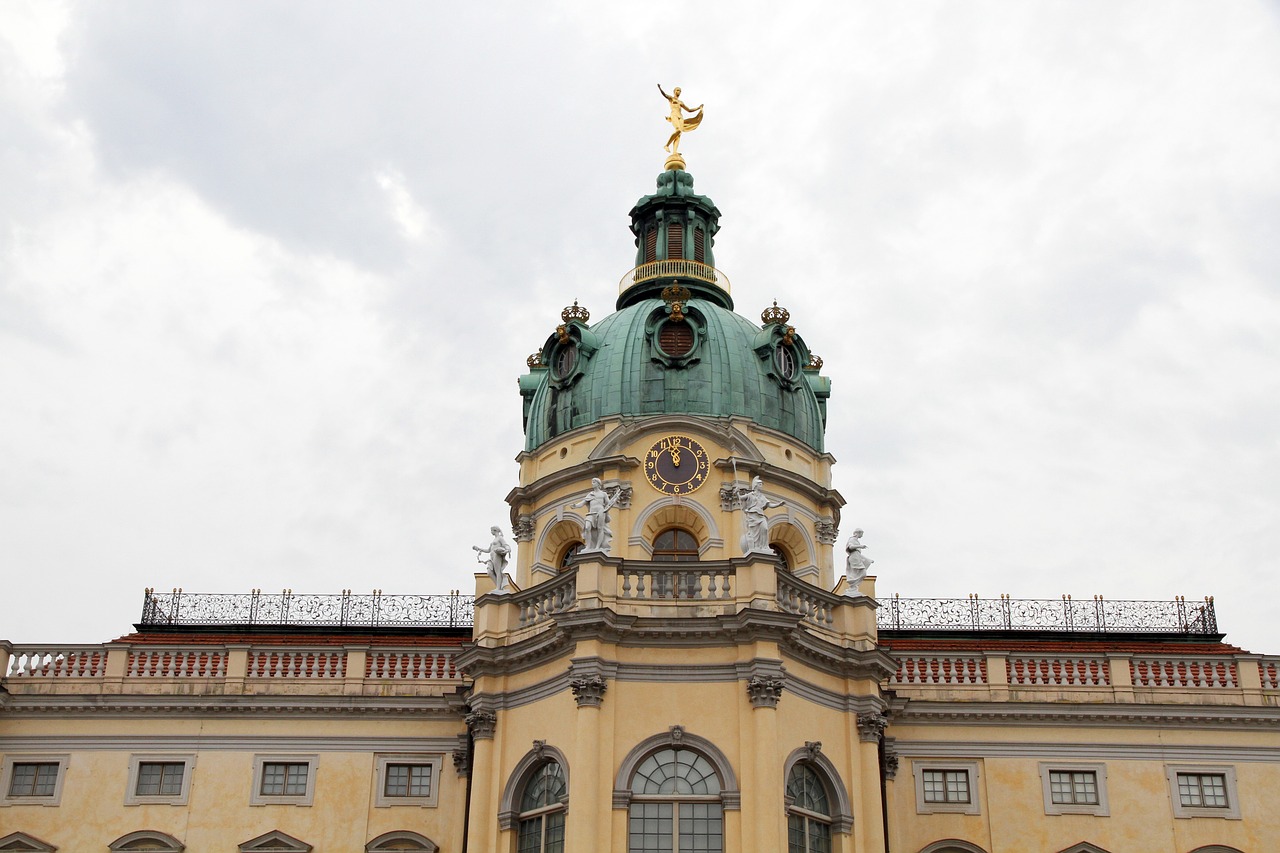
1184, 672
224, 669
1110, 676
690, 583
940, 669
1058, 671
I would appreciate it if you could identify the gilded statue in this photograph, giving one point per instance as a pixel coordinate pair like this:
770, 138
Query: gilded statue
679, 122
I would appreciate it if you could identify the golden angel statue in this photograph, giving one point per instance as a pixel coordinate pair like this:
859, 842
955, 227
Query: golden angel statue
679, 122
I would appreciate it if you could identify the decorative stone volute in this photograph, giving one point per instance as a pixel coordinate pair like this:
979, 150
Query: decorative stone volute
589, 691
523, 528
871, 725
481, 724
825, 528
765, 692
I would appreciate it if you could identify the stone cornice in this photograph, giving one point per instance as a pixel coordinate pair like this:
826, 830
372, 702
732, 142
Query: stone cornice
81, 704
1087, 714
1086, 751
228, 743
574, 474
809, 648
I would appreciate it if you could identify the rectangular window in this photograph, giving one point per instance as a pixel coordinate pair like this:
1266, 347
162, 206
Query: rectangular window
946, 786
407, 779
1203, 790
282, 779
164, 779
34, 779
1074, 788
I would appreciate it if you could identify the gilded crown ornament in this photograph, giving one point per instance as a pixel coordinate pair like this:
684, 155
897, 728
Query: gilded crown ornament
815, 362
676, 295
535, 360
775, 314
575, 312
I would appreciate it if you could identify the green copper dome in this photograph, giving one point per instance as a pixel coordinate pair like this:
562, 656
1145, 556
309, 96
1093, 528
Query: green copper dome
674, 346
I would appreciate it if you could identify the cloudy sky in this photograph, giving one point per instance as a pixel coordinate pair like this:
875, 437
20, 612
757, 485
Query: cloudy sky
269, 271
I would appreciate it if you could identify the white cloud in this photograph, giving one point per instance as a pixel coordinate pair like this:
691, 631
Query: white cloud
267, 276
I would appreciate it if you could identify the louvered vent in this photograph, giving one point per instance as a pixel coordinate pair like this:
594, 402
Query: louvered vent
699, 245
651, 245
675, 339
675, 240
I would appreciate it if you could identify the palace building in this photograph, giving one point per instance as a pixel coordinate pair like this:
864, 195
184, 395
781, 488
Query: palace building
671, 655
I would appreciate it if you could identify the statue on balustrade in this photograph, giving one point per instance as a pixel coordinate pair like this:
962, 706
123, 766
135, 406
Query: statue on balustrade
499, 552
857, 563
595, 526
755, 535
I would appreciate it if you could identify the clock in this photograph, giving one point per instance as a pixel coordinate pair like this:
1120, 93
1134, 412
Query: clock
676, 465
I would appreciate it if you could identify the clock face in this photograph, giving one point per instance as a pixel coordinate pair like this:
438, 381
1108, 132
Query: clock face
676, 465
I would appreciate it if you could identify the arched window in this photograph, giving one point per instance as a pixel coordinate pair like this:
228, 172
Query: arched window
569, 553
675, 240
540, 827
784, 562
808, 812
146, 839
676, 804
675, 543
650, 244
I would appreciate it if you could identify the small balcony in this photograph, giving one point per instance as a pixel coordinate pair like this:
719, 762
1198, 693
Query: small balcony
693, 271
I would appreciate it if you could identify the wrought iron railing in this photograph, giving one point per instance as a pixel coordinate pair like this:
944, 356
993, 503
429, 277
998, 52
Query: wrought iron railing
674, 268
297, 609
1066, 614
895, 614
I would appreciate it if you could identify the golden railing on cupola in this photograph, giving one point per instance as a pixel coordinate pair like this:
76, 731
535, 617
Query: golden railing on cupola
674, 268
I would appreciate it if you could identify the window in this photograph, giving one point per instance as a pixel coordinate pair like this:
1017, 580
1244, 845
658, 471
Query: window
675, 339
946, 787
159, 779
675, 240
1203, 791
808, 812
564, 360
147, 839
33, 779
1074, 788
675, 544
540, 827
569, 554
283, 779
781, 555
784, 359
650, 245
675, 804
407, 779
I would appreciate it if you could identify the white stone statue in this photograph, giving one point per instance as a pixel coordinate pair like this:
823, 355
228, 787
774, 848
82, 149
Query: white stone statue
755, 536
596, 526
857, 563
499, 553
